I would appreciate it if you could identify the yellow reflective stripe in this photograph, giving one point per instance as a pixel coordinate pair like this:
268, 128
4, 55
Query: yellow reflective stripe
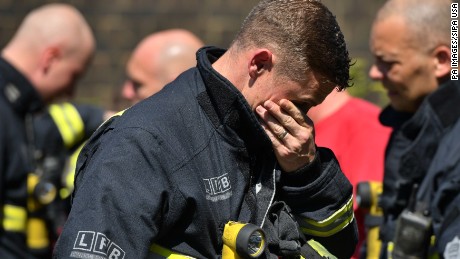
322, 251
119, 113
14, 218
64, 193
69, 173
435, 254
69, 123
390, 247
336, 222
37, 234
164, 252
432, 240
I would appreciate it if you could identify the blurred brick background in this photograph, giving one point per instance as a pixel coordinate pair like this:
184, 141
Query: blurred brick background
120, 24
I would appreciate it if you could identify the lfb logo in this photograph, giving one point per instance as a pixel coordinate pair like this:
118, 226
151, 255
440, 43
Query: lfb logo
217, 185
97, 243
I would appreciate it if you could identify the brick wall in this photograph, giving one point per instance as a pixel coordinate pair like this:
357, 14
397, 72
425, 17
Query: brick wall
120, 24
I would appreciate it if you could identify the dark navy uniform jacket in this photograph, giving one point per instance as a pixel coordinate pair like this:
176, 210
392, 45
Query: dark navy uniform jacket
29, 139
18, 100
166, 176
424, 150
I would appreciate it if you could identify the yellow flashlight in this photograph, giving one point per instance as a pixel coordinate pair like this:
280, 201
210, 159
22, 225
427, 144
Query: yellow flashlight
367, 196
242, 240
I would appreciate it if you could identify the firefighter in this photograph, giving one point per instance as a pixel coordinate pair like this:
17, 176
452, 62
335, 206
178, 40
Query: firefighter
411, 42
41, 63
226, 141
59, 131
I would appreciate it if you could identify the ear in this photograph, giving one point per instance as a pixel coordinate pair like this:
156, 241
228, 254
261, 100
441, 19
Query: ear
441, 56
49, 56
261, 60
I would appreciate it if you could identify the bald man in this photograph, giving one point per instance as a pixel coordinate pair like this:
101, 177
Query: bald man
410, 40
40, 64
157, 60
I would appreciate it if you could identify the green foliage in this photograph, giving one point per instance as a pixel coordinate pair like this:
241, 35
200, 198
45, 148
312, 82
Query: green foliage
363, 86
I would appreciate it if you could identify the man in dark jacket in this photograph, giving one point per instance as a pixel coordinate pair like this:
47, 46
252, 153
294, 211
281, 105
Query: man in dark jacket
41, 63
226, 141
411, 43
60, 130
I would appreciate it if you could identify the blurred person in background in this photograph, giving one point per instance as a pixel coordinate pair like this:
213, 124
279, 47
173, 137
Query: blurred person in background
59, 131
40, 64
411, 43
157, 60
349, 126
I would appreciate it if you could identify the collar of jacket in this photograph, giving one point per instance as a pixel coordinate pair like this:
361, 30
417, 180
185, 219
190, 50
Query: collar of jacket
443, 103
226, 106
17, 90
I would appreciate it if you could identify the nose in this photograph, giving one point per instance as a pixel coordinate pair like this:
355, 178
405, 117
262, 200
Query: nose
375, 73
128, 92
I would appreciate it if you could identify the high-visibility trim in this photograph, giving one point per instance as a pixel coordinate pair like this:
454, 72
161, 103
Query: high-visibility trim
320, 249
390, 247
69, 123
64, 193
71, 167
336, 222
69, 174
432, 240
435, 254
15, 218
166, 253
119, 113
37, 234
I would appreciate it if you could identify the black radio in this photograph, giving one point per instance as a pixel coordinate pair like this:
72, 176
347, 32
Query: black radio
413, 231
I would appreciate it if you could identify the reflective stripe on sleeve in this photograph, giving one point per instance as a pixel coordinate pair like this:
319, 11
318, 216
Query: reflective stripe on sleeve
69, 123
14, 218
69, 173
166, 253
320, 249
327, 227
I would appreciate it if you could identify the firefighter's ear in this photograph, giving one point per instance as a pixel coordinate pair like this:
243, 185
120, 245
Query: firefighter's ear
441, 58
48, 58
261, 61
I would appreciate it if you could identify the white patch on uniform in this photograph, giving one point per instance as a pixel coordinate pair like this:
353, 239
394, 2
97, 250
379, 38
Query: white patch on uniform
84, 240
12, 93
452, 250
258, 187
95, 245
218, 188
